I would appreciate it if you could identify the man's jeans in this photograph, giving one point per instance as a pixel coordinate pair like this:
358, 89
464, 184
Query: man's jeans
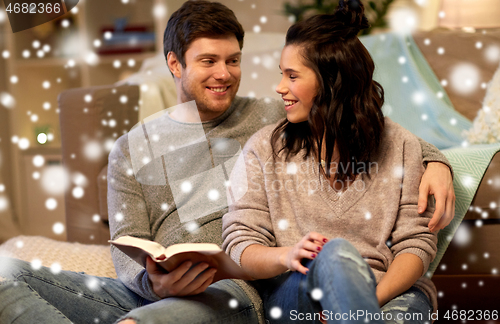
341, 286
40, 296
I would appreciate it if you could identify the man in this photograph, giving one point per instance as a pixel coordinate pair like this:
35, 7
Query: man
149, 196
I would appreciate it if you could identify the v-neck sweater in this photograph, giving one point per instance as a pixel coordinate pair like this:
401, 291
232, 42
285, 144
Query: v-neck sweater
276, 201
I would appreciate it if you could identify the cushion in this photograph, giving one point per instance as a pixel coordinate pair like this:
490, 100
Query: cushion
92, 259
486, 127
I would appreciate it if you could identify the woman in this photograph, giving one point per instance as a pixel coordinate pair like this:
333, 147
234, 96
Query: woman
347, 228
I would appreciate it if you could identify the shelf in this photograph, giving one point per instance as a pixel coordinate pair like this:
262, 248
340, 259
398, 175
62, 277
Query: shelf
43, 151
102, 59
107, 59
53, 61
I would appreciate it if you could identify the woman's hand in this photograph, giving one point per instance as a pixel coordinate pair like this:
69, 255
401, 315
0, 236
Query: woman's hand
307, 248
184, 280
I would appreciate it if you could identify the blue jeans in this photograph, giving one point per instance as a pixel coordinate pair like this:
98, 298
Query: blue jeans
340, 286
40, 296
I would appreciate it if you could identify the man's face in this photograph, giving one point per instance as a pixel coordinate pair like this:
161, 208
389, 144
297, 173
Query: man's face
212, 75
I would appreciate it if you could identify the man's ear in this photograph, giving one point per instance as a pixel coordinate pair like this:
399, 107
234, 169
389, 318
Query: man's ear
174, 64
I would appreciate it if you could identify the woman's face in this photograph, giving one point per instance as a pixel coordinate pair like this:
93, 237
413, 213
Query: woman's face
298, 86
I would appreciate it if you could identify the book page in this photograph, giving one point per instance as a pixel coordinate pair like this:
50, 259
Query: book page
173, 256
154, 249
205, 248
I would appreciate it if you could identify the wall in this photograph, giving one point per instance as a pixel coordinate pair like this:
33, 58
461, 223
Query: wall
476, 13
249, 13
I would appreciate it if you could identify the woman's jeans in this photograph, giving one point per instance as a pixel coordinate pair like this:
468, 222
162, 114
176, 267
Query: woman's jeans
340, 286
41, 296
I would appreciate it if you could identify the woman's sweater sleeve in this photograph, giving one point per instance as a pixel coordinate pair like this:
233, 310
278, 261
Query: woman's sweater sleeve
248, 220
411, 233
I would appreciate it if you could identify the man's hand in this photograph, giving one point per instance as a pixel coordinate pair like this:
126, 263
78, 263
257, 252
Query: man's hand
182, 281
437, 181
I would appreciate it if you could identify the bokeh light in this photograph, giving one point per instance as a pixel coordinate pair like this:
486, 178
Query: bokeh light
23, 143
55, 179
51, 204
58, 228
465, 78
38, 161
4, 203
159, 11
403, 20
7, 100
92, 150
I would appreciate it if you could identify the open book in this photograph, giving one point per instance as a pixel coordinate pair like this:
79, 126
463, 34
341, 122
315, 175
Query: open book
170, 258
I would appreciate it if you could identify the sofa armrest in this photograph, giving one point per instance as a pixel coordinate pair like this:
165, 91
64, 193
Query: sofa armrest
91, 119
485, 204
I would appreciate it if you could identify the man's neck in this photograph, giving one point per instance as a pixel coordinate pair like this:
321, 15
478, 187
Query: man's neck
185, 115
189, 114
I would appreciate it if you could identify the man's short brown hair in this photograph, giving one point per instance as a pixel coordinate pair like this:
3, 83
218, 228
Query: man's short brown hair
197, 19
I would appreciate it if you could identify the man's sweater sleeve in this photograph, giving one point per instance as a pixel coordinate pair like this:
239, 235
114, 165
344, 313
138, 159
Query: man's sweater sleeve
248, 220
430, 153
411, 233
128, 215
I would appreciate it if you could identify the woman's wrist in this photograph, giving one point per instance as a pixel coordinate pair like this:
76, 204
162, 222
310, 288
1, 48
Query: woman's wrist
382, 296
283, 256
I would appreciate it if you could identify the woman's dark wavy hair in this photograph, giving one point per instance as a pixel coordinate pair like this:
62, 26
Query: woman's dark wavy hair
347, 109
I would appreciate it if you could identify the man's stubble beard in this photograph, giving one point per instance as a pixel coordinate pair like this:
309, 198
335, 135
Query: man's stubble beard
201, 103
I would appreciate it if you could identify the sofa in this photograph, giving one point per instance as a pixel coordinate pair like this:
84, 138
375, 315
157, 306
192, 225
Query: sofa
466, 278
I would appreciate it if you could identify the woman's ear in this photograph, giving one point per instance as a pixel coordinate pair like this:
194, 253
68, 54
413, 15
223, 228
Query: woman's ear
174, 65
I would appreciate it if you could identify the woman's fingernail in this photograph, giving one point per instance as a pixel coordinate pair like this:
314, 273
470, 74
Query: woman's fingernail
313, 255
318, 248
325, 240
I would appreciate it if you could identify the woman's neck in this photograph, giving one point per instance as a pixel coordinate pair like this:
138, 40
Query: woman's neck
334, 164
335, 156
